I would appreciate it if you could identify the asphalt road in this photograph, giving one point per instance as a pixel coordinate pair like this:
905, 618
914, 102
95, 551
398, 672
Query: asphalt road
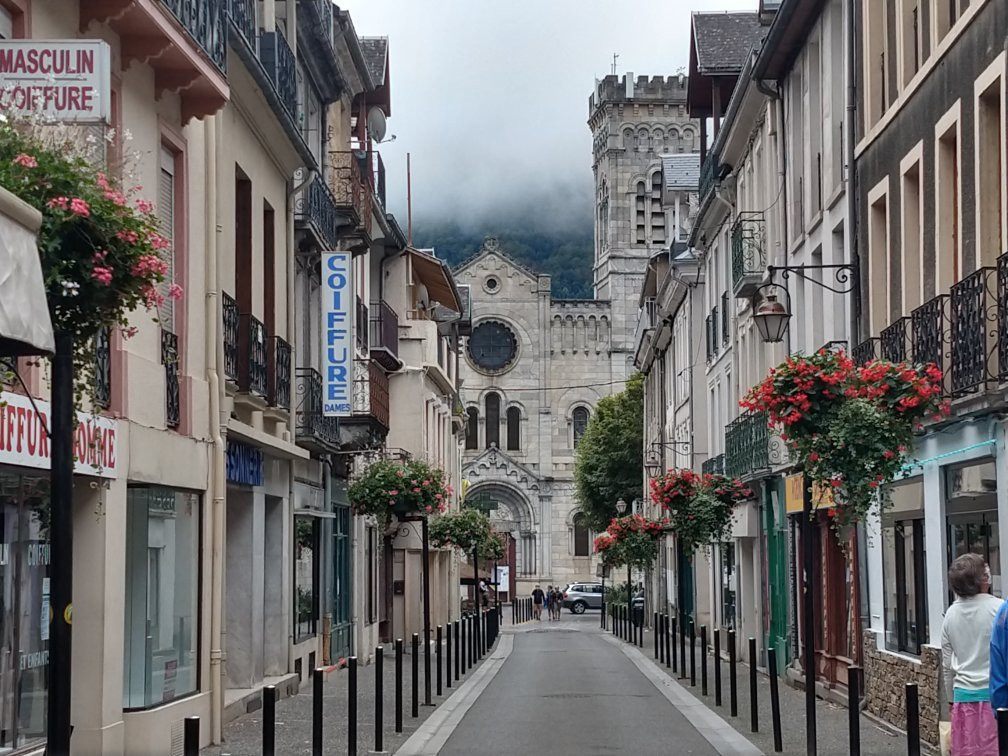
566, 691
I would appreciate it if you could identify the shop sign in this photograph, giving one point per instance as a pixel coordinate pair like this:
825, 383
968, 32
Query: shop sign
63, 79
337, 343
244, 464
794, 494
25, 443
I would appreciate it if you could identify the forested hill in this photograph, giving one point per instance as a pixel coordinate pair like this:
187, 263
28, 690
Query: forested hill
564, 255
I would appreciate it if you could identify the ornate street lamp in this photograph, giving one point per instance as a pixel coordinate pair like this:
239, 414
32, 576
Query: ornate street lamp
772, 317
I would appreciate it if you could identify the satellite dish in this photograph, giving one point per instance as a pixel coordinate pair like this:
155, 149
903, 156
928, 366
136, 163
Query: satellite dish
376, 124
422, 297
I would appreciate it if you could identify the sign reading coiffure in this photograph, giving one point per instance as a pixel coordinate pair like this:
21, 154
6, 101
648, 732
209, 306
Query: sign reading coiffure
64, 79
337, 344
25, 443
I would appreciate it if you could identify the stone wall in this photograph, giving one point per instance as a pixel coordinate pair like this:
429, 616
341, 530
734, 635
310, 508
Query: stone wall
886, 675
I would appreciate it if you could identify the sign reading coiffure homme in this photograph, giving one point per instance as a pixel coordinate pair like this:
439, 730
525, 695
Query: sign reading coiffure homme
24, 442
64, 79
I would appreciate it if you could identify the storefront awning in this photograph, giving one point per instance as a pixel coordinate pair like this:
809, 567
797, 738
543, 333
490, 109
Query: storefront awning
25, 327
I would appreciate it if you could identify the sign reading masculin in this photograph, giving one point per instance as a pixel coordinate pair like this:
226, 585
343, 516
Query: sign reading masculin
337, 343
64, 79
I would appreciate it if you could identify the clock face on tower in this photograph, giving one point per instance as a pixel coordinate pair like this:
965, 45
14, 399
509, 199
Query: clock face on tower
492, 346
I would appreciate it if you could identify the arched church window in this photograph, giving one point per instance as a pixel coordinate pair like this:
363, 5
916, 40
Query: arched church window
513, 429
580, 422
581, 548
492, 419
472, 428
640, 211
657, 214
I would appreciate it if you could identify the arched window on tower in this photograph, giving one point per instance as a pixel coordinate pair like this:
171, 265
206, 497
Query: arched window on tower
580, 422
472, 429
657, 214
513, 429
640, 212
581, 540
492, 420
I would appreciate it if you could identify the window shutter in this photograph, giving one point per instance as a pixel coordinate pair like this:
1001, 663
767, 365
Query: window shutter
166, 219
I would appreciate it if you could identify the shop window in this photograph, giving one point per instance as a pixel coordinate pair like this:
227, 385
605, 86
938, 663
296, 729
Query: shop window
306, 577
580, 422
513, 429
581, 548
342, 587
492, 419
161, 608
971, 516
472, 428
903, 570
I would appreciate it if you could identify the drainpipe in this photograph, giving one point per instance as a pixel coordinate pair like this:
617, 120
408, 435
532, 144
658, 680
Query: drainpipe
214, 358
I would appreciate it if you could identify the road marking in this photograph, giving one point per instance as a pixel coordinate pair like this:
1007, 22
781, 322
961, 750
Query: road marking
431, 736
725, 739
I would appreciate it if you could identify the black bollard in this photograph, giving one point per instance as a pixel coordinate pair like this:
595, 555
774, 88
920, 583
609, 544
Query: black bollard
912, 720
398, 685
352, 706
778, 743
514, 613
458, 645
673, 622
659, 637
472, 641
1002, 726
379, 693
665, 641
692, 654
190, 736
269, 720
753, 704
703, 660
437, 658
464, 644
415, 649
317, 681
717, 666
654, 632
732, 686
853, 708
682, 646
448, 655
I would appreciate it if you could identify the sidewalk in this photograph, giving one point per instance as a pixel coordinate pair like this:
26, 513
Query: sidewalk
243, 736
831, 720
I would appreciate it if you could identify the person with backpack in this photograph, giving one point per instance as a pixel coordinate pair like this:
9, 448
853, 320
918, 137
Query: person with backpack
537, 603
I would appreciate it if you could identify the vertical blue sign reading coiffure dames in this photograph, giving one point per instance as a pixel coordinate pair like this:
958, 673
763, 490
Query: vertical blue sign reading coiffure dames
337, 343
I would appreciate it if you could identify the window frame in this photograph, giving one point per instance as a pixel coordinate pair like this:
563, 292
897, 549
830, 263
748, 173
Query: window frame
512, 419
492, 419
316, 574
580, 532
576, 435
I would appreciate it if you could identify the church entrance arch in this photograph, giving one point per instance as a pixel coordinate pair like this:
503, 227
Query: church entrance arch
512, 514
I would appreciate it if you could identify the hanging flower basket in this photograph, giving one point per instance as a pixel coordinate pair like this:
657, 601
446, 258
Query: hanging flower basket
675, 489
466, 530
699, 507
388, 488
851, 428
633, 538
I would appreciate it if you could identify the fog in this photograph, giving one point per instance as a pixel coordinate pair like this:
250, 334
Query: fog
490, 98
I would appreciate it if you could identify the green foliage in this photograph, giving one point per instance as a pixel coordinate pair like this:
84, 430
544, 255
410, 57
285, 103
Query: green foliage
608, 463
494, 547
466, 530
390, 487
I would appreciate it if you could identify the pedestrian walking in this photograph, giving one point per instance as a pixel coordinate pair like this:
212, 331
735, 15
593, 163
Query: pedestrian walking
967, 655
537, 603
547, 601
557, 603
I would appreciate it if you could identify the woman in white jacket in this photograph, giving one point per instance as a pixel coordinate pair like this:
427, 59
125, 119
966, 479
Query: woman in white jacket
965, 640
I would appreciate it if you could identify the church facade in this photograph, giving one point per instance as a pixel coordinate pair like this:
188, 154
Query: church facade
535, 367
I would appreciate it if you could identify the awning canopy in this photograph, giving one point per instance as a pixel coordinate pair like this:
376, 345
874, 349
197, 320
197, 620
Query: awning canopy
25, 327
436, 276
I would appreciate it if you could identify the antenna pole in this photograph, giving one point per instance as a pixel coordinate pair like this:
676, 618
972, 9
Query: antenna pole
409, 202
614, 57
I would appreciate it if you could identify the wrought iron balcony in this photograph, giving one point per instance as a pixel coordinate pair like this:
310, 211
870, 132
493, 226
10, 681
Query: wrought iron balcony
385, 335
749, 260
351, 188
204, 21
1002, 316
315, 210
725, 320
313, 430
103, 368
230, 318
713, 340
867, 351
170, 360
708, 174
379, 178
279, 373
278, 60
243, 16
367, 426
252, 355
894, 341
750, 447
930, 343
974, 338
713, 465
361, 326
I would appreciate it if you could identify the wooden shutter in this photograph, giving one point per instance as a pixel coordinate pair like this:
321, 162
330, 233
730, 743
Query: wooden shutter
166, 218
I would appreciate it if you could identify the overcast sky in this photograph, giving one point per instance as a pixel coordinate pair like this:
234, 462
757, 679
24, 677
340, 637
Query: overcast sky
490, 97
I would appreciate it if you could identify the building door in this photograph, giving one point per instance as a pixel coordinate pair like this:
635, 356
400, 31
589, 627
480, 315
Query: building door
342, 583
776, 577
685, 588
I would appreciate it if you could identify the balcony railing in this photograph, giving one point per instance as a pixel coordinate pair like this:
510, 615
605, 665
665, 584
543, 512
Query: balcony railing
243, 16
750, 447
865, 352
324, 8
170, 359
895, 340
316, 207
713, 340
204, 21
713, 465
379, 178
974, 337
351, 186
278, 60
279, 373
378, 389
313, 430
749, 261
930, 342
252, 355
708, 174
1002, 316
361, 325
103, 368
384, 335
725, 319
230, 317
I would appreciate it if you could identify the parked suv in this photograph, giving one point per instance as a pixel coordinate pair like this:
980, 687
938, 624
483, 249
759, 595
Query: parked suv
580, 596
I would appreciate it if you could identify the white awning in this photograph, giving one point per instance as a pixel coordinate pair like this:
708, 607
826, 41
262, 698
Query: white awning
25, 327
